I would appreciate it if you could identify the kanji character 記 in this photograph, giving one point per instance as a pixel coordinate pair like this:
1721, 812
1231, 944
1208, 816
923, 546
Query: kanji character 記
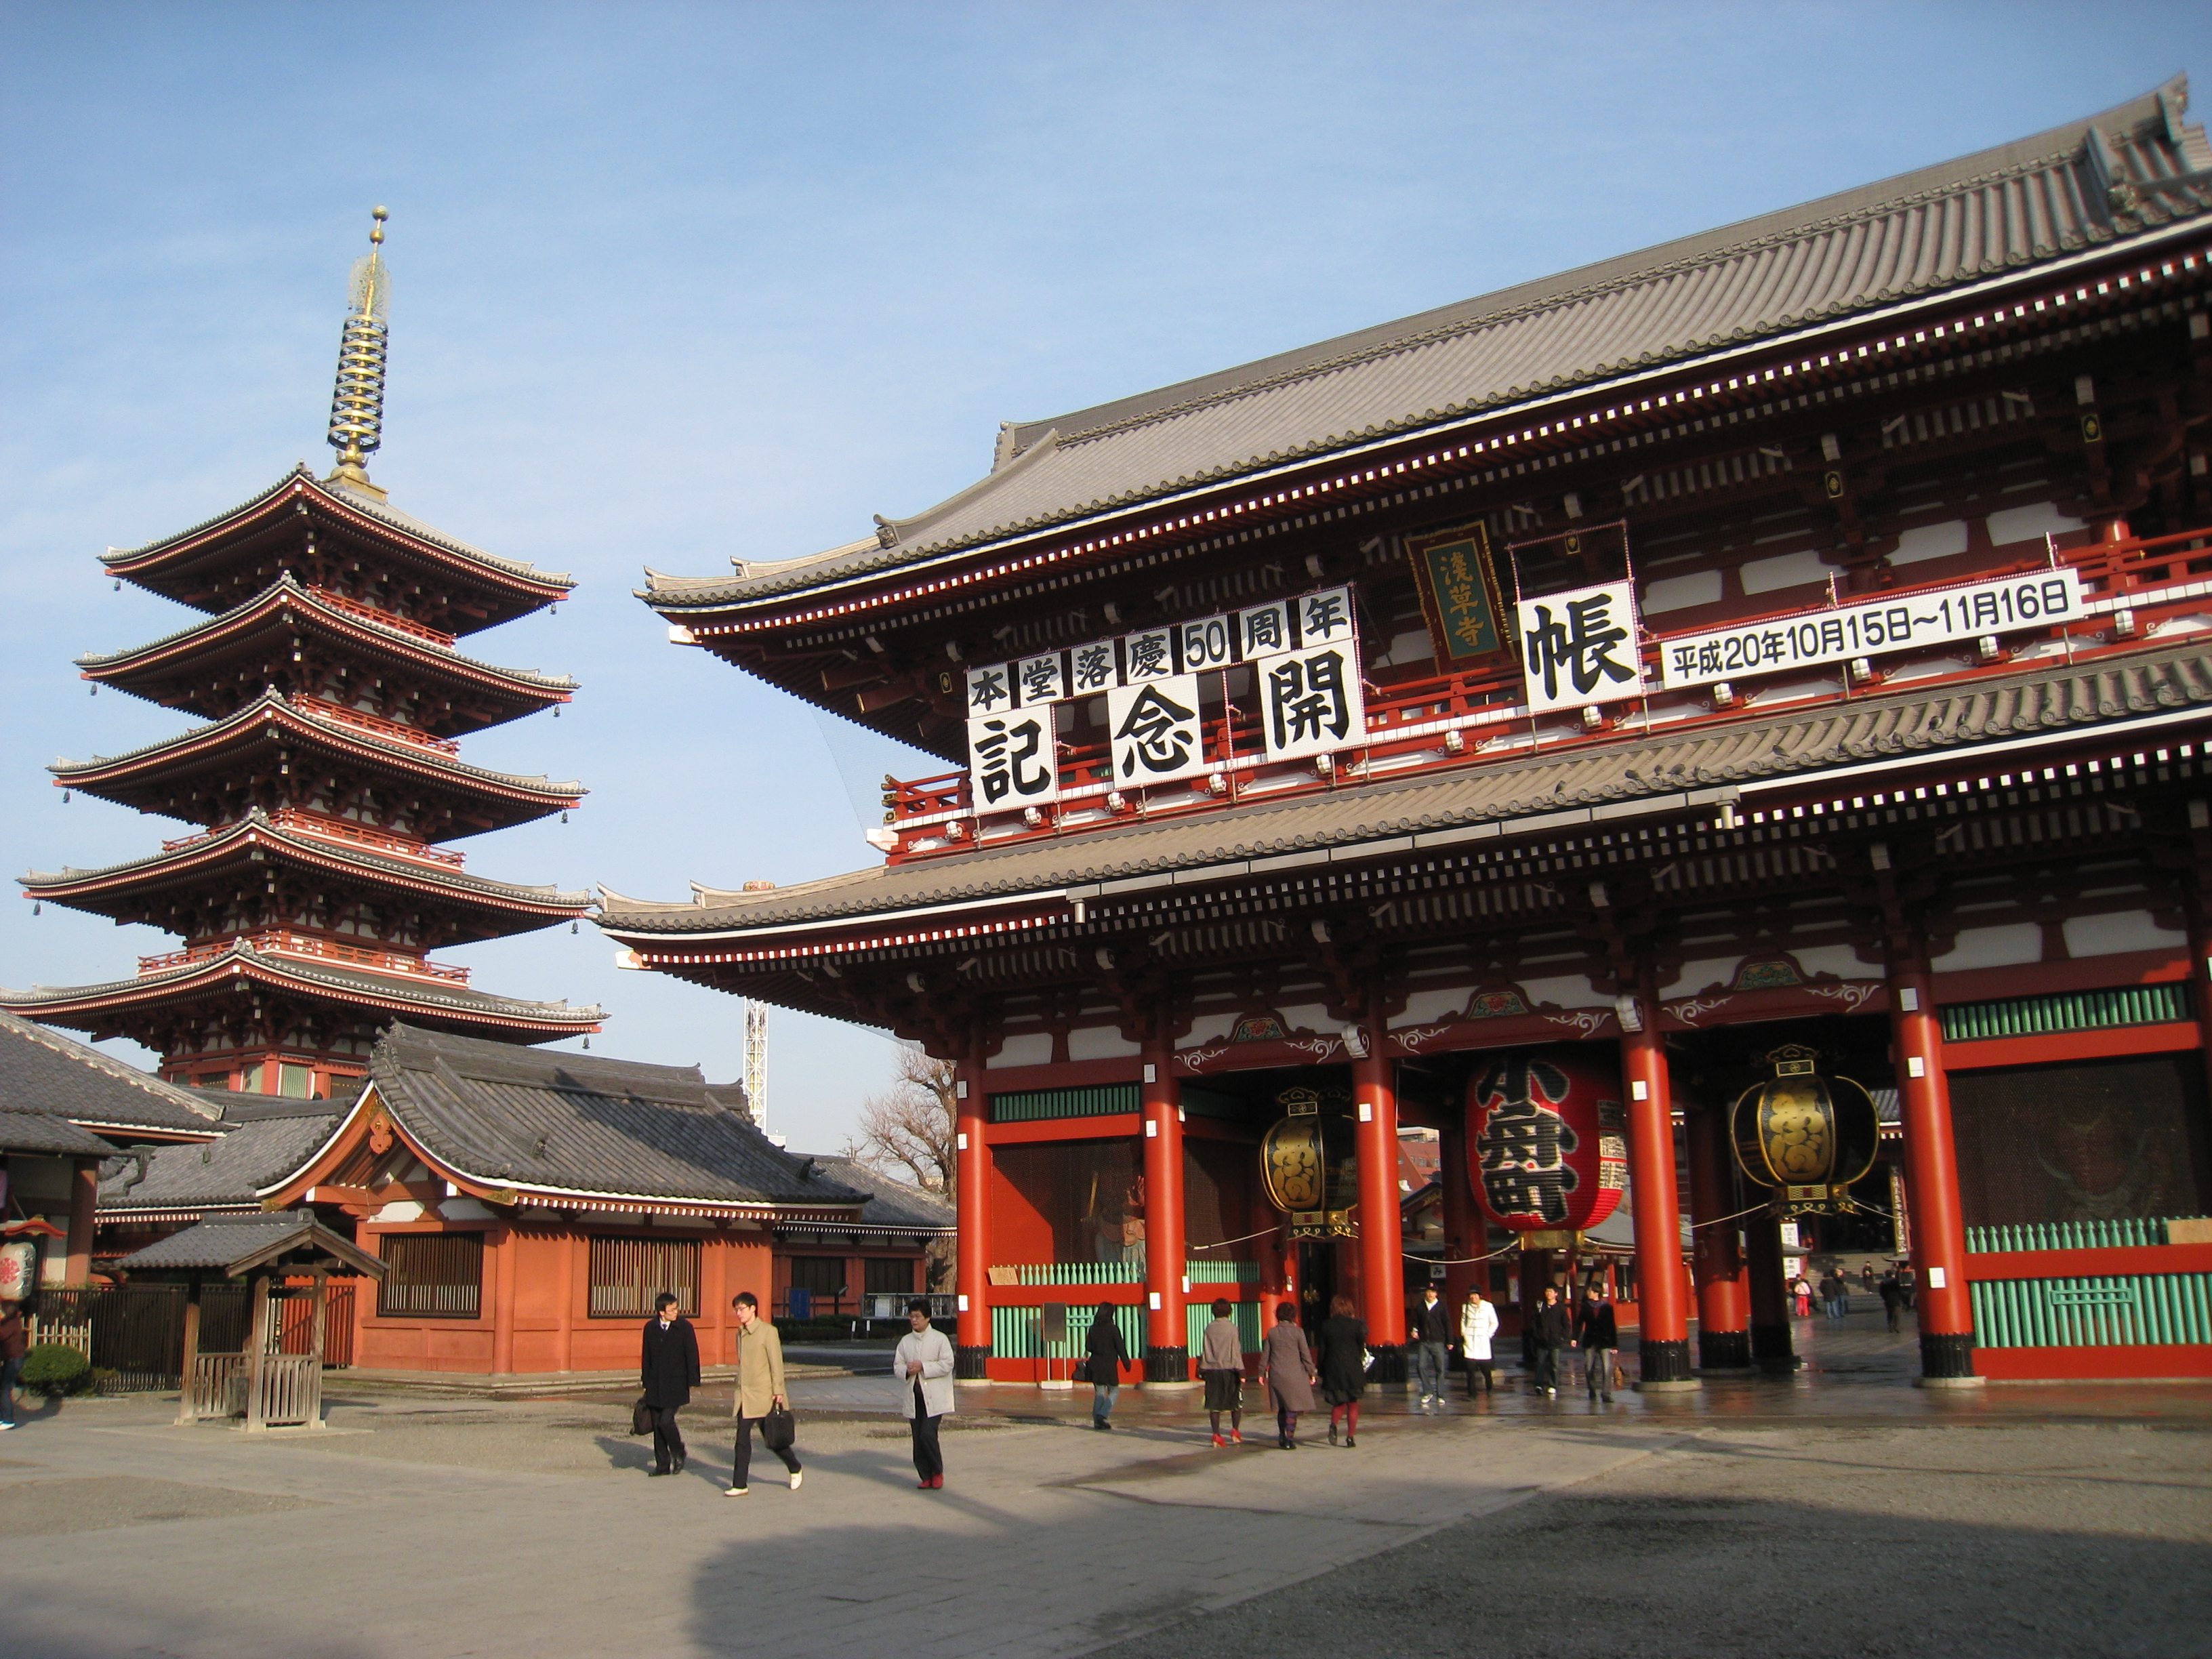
1578, 642
1013, 756
1157, 733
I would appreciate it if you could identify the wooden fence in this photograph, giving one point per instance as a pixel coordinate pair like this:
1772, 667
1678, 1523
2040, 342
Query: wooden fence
136, 1332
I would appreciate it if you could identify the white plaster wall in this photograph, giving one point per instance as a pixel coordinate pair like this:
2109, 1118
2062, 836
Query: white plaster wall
1678, 593
1025, 1048
2017, 524
1930, 541
1993, 947
1423, 1006
1210, 1028
1696, 976
1784, 570
2122, 930
1841, 960
1100, 1043
1570, 991
1308, 1016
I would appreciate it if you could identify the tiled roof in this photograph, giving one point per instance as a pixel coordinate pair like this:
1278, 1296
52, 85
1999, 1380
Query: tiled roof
582, 1124
378, 864
233, 1243
47, 1135
356, 502
233, 1169
1657, 771
2126, 173
422, 995
892, 1205
44, 1072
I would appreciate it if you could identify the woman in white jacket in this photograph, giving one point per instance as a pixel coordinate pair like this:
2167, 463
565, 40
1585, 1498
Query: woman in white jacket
923, 1367
1478, 1323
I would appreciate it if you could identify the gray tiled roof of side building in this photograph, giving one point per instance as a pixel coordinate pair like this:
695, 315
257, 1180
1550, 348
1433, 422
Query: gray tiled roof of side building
584, 1124
2130, 170
45, 1072
220, 1240
892, 1204
46, 1135
1900, 725
233, 1169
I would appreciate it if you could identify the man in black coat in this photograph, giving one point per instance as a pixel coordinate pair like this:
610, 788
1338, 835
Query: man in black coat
668, 1371
1551, 1333
1597, 1333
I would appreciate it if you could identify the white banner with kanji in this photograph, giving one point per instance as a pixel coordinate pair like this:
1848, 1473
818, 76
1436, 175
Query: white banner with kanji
1579, 647
1310, 701
1153, 731
1010, 759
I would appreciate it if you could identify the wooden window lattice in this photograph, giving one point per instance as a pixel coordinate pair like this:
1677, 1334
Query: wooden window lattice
628, 1273
432, 1276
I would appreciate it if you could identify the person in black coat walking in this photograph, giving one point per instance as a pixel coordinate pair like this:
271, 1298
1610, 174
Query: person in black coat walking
1340, 1356
668, 1370
1107, 1356
1597, 1333
1549, 1334
1892, 1298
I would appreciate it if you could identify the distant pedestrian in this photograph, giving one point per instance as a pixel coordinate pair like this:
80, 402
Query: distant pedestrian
760, 1390
1478, 1323
1892, 1298
1836, 1293
668, 1370
1108, 1357
1801, 1295
1908, 1282
1866, 1276
1221, 1368
923, 1366
1340, 1356
1431, 1334
1549, 1334
1597, 1333
14, 1343
1287, 1366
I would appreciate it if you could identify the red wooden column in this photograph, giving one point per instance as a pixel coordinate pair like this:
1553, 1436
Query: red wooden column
502, 1313
1466, 1235
1167, 1337
971, 1194
1381, 1230
1716, 1255
1663, 1346
1944, 1308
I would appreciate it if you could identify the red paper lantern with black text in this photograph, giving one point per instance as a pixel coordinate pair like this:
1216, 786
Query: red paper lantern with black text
1546, 1146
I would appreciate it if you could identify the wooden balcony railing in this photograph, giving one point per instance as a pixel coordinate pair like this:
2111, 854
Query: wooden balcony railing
383, 618
375, 724
1446, 719
314, 824
284, 942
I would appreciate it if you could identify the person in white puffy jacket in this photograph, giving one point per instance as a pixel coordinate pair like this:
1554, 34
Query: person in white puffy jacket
923, 1367
1478, 1323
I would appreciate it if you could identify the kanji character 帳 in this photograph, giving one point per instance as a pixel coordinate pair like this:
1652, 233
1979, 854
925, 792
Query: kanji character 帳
1579, 642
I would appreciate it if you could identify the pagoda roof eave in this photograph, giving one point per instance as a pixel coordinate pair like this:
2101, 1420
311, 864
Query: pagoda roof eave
1609, 783
255, 830
115, 667
400, 996
374, 515
152, 759
2035, 206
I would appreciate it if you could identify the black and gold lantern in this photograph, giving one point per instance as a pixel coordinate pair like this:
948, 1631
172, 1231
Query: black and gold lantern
1803, 1136
1309, 1163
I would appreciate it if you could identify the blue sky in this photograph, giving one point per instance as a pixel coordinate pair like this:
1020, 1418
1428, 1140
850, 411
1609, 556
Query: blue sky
674, 284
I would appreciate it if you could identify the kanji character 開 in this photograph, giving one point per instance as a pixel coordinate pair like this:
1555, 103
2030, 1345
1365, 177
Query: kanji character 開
1305, 698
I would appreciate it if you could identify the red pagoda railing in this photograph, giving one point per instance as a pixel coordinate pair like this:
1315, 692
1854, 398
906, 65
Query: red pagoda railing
1453, 716
385, 618
284, 942
314, 823
372, 723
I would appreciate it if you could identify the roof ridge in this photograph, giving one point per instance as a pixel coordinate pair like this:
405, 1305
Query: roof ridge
122, 1071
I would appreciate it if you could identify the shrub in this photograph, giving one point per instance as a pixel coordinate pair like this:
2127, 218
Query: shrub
53, 1369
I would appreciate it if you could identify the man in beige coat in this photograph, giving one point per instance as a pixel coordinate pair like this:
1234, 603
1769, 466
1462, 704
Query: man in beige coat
760, 1390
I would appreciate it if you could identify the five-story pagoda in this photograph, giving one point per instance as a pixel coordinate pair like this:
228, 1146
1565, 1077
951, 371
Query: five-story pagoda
326, 782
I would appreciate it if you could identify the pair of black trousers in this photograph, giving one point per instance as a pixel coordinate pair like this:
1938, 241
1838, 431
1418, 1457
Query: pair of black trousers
928, 1460
1481, 1368
1548, 1367
742, 1462
667, 1439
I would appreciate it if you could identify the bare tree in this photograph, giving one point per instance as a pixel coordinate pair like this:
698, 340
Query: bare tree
907, 1131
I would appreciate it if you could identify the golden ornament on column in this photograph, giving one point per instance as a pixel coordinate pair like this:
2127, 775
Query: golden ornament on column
1803, 1136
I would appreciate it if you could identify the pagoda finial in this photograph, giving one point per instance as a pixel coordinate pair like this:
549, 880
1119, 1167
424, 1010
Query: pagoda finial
357, 406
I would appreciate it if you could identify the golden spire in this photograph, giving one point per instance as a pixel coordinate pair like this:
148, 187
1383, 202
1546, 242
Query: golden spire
357, 406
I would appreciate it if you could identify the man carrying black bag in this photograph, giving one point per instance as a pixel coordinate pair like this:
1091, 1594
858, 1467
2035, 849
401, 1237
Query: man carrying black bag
667, 1372
760, 1394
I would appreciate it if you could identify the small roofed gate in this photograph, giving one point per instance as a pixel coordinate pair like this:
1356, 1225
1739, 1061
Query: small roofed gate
285, 1389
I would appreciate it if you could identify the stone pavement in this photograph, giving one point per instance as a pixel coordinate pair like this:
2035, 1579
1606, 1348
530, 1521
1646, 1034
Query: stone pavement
428, 1526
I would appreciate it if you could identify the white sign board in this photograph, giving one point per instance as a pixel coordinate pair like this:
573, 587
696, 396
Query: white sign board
1011, 760
1873, 629
1310, 701
1579, 647
1154, 731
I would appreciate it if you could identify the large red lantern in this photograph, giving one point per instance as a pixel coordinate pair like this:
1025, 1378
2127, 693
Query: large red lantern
1545, 1142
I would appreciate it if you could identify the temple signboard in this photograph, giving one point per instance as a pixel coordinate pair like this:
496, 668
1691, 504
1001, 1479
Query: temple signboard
1579, 647
1875, 629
